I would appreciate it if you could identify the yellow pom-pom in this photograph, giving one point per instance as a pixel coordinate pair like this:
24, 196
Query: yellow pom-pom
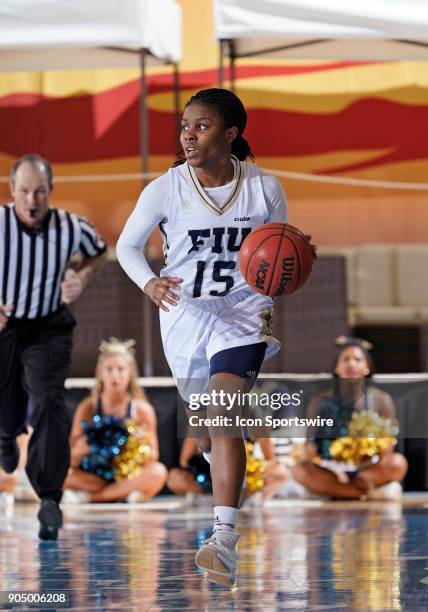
255, 470
133, 455
369, 436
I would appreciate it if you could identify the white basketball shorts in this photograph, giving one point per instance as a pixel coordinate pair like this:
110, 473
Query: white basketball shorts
193, 331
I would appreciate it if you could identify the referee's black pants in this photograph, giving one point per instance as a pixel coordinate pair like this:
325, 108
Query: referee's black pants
34, 360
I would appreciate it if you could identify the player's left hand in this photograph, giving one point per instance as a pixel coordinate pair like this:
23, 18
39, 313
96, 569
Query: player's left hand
71, 286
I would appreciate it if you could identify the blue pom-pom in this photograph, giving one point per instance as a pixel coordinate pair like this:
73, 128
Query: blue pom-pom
106, 436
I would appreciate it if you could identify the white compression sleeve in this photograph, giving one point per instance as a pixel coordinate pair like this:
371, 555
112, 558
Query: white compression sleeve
148, 213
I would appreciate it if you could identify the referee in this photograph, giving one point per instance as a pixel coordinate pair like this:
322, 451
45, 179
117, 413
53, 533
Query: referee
36, 244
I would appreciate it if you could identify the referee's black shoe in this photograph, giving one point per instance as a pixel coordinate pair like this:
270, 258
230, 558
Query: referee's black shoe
50, 519
9, 454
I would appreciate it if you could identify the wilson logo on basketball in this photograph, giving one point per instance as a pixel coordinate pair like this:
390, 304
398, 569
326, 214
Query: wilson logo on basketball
286, 275
276, 258
261, 274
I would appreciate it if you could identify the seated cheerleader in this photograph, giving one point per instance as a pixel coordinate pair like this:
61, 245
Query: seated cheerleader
341, 462
115, 398
264, 474
192, 478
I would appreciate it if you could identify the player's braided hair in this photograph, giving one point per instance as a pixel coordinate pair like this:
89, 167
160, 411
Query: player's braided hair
233, 112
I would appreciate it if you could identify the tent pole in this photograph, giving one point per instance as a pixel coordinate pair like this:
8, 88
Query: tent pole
176, 87
232, 57
147, 335
144, 123
221, 64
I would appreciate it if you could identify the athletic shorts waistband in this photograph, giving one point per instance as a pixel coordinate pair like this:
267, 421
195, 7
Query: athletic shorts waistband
218, 304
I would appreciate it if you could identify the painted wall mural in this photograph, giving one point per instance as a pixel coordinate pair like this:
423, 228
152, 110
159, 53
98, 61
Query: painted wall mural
364, 120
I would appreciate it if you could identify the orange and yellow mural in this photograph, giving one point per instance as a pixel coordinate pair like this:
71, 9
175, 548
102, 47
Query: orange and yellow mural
364, 120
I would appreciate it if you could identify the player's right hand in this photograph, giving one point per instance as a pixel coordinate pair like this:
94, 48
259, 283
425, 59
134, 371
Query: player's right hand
160, 290
5, 310
313, 246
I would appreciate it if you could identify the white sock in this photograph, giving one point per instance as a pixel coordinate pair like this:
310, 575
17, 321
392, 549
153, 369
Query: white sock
225, 519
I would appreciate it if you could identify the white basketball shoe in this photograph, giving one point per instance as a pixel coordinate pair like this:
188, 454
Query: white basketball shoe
217, 557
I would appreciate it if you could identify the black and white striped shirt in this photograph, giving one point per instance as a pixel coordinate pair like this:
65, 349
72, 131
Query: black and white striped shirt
33, 262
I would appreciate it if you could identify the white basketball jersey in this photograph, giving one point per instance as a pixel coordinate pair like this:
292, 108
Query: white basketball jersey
202, 238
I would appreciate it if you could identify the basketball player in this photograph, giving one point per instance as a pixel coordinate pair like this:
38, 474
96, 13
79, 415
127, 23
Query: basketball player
218, 328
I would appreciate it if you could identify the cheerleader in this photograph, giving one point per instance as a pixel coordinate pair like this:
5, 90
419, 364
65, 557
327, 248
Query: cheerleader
116, 394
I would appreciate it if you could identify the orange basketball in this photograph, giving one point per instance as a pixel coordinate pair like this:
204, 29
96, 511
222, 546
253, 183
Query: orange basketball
276, 259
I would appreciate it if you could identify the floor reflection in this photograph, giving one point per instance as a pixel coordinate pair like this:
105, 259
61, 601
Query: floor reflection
297, 556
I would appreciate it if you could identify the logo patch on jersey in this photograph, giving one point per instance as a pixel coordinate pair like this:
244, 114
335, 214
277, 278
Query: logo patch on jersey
241, 218
186, 205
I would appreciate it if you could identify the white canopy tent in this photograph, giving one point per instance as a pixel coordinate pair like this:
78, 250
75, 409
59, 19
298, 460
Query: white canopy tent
61, 34
327, 29
57, 34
